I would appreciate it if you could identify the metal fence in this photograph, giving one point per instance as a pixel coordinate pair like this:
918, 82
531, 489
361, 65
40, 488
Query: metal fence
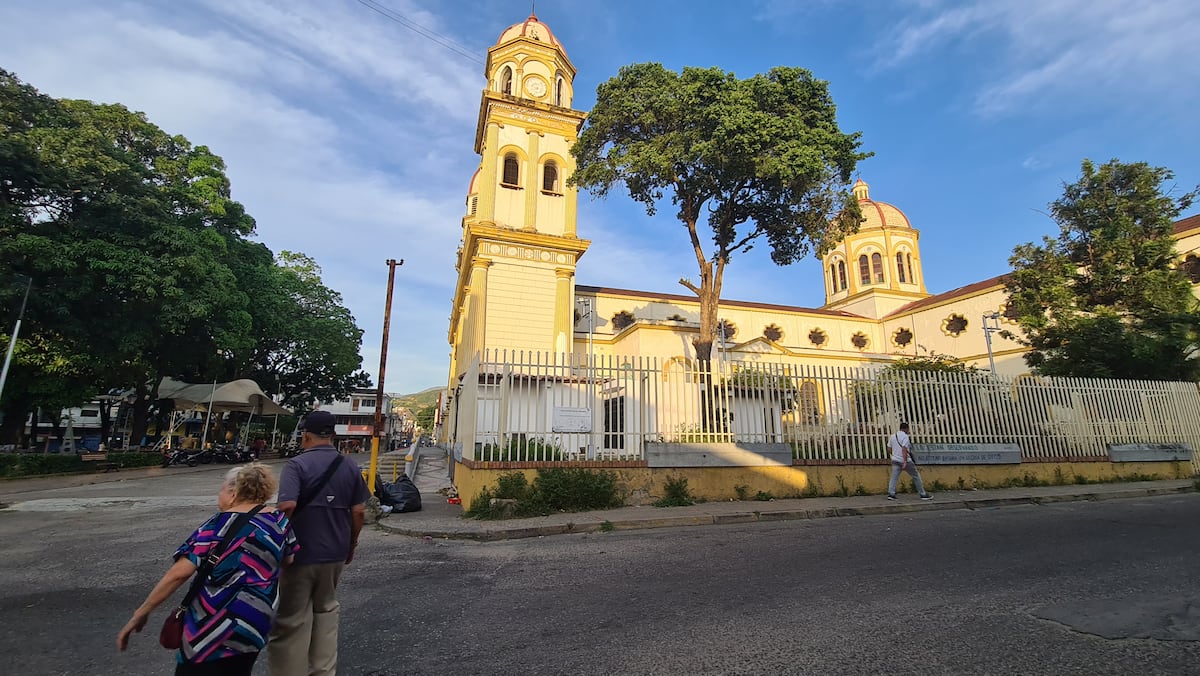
531, 406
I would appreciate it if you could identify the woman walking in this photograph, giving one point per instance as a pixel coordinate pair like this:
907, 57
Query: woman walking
229, 612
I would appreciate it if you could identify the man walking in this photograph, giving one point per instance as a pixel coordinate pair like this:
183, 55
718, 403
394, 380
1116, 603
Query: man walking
902, 460
325, 497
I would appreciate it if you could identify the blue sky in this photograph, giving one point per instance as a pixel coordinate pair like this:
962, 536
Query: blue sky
349, 137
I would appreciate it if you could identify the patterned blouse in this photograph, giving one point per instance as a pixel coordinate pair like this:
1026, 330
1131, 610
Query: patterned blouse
233, 611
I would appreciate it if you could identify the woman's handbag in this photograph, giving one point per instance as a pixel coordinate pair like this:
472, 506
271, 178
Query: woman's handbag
171, 634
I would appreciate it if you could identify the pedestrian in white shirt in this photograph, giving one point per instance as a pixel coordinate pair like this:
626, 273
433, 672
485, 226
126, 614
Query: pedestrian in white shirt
902, 460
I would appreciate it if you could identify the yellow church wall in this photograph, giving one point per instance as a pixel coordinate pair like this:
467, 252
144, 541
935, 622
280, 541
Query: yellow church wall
643, 485
520, 306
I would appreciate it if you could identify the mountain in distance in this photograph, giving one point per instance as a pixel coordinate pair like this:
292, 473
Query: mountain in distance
416, 400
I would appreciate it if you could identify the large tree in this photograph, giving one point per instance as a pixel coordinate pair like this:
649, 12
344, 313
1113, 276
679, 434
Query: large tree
306, 341
142, 267
1105, 299
756, 158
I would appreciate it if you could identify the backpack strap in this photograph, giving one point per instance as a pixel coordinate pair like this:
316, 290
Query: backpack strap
308, 496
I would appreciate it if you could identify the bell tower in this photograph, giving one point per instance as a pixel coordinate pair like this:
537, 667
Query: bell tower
516, 265
877, 269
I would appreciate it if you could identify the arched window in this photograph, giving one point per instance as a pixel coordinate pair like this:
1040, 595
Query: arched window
900, 268
911, 272
506, 77
512, 170
558, 91
842, 274
877, 266
833, 277
864, 270
550, 176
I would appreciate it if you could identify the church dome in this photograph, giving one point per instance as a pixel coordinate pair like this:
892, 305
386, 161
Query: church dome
531, 28
877, 214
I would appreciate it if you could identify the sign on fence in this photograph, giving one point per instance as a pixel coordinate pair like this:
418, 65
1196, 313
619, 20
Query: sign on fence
967, 454
567, 419
1149, 452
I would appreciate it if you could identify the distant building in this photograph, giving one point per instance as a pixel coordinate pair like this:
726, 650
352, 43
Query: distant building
355, 418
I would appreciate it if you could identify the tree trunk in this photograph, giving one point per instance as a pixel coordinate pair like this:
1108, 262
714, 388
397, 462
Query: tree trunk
33, 428
141, 410
14, 424
105, 421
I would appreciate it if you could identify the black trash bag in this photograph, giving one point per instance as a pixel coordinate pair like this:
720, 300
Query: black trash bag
401, 495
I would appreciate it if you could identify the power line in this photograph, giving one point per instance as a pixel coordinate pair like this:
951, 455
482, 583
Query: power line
420, 30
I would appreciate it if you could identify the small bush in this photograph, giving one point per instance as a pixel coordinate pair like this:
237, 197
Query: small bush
742, 491
607, 527
136, 459
1081, 480
676, 494
34, 464
575, 490
521, 448
553, 490
1060, 479
512, 486
764, 496
860, 490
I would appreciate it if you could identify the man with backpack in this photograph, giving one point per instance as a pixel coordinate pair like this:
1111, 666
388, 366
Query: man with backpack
325, 497
903, 460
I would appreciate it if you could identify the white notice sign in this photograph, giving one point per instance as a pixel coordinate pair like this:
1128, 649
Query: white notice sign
568, 419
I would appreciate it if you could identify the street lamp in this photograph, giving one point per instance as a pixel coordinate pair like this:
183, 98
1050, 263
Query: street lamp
991, 324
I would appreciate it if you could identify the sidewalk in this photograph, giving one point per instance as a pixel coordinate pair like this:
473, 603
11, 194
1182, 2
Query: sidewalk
441, 520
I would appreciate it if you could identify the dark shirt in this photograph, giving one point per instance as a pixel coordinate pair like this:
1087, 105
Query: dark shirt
323, 527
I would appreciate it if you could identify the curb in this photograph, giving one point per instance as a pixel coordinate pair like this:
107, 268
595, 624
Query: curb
589, 523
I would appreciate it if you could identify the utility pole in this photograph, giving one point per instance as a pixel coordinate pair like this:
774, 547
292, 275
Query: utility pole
387, 320
12, 343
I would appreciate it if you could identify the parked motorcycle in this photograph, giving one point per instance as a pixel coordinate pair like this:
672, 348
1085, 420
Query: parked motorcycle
179, 456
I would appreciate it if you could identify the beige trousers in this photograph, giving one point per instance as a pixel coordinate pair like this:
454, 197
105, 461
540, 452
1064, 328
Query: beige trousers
304, 638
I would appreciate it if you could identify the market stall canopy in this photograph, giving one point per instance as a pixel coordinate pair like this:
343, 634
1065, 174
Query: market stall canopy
236, 395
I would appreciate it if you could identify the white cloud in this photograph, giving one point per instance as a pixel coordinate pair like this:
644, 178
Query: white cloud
1058, 52
343, 134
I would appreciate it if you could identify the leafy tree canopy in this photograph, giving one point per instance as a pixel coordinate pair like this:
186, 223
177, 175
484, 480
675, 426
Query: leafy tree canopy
758, 158
1105, 299
141, 265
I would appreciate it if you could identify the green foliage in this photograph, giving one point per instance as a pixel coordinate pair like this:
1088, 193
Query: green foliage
36, 464
1104, 299
553, 490
607, 527
764, 496
763, 157
908, 380
142, 267
748, 380
742, 491
522, 448
676, 493
860, 490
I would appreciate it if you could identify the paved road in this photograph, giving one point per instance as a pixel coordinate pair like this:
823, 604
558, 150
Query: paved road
1087, 588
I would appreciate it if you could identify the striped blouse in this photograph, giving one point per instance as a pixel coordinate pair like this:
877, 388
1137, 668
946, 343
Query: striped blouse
233, 611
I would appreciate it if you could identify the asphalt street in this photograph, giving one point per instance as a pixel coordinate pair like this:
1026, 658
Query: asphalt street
1072, 588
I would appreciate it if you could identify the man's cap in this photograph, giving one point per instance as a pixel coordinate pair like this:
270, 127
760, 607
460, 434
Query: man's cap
318, 422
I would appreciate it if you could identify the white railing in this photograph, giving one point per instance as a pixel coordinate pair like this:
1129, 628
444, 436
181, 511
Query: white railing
531, 406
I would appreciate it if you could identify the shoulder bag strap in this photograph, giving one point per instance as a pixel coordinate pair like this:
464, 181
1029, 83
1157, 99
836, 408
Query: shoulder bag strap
311, 493
214, 555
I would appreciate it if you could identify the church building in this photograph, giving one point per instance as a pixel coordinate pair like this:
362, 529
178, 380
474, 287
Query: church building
545, 369
517, 289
